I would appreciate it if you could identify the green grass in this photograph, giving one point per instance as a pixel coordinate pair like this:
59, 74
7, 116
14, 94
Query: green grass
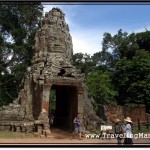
13, 135
143, 129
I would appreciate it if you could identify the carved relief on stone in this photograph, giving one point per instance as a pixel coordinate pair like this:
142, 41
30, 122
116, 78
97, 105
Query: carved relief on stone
62, 40
54, 44
45, 22
58, 61
52, 22
36, 46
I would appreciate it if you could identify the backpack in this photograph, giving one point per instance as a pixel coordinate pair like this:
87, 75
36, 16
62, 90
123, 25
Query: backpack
118, 129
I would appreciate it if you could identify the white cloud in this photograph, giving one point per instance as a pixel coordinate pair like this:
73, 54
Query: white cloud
84, 40
87, 40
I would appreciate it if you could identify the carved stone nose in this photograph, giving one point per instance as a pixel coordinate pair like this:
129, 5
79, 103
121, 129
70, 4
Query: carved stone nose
57, 45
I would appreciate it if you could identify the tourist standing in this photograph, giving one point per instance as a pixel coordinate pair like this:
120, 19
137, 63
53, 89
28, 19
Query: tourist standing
77, 126
128, 131
118, 131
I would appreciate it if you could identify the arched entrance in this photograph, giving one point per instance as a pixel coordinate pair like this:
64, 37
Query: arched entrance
66, 106
69, 101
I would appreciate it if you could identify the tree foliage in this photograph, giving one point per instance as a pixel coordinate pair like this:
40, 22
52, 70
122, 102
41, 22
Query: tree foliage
132, 79
121, 71
100, 87
121, 45
83, 62
131, 60
18, 24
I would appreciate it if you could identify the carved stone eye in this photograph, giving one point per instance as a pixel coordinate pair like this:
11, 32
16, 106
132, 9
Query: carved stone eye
51, 38
62, 40
51, 22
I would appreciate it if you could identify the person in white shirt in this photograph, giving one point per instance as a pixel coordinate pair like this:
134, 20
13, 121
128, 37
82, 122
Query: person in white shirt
128, 131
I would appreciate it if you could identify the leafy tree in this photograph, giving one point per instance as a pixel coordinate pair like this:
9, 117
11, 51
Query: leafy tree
102, 61
143, 40
132, 79
83, 62
130, 65
100, 87
121, 45
18, 24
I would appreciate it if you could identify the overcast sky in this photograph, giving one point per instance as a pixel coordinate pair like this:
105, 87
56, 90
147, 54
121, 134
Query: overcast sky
88, 23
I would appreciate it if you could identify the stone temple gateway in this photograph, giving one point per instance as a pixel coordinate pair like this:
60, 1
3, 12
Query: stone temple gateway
51, 69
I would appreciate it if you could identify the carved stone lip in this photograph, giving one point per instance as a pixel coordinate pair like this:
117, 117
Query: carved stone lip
57, 45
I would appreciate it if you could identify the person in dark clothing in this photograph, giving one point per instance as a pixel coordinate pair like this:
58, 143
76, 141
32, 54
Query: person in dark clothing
118, 130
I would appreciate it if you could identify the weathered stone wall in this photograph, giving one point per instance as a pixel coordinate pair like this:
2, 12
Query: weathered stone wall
134, 111
91, 120
37, 100
52, 59
10, 112
114, 112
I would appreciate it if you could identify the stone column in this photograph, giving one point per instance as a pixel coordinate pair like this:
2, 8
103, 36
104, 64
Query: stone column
44, 116
45, 99
81, 102
29, 110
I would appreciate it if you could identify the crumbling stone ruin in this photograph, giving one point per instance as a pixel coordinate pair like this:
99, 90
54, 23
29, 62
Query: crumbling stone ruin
51, 69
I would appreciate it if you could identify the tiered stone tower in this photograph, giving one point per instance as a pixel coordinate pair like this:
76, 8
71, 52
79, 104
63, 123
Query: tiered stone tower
52, 69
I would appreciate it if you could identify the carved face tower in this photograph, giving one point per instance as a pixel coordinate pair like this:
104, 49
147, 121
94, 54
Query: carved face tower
53, 48
52, 70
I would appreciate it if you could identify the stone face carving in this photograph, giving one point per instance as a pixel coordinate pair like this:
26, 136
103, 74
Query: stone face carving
51, 64
53, 45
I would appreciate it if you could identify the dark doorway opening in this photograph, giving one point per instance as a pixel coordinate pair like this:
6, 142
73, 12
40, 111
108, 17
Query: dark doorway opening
63, 107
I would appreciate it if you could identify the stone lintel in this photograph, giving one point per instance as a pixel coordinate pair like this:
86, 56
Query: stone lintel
63, 81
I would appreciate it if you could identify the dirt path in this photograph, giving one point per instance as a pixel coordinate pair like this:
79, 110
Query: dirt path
63, 137
64, 141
